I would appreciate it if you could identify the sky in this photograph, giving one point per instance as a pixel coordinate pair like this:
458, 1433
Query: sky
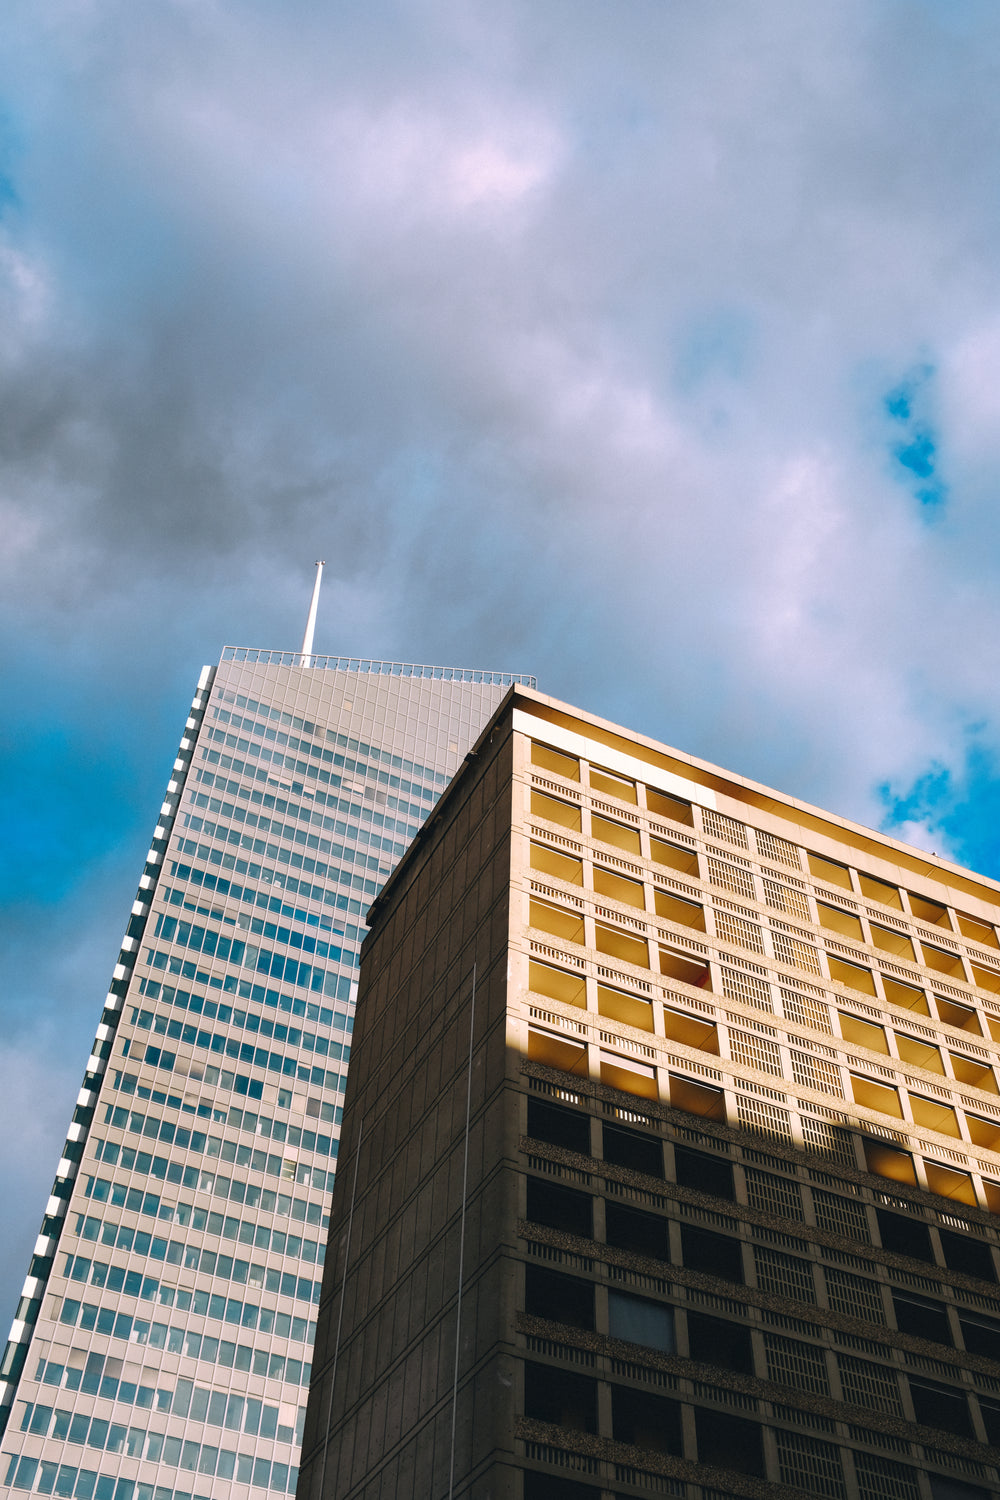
647, 346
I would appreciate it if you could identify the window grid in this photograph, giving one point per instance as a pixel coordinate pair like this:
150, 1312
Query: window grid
773, 1195
755, 1052
806, 1010
719, 826
769, 1119
731, 878
792, 950
817, 1073
784, 1275
739, 930
792, 1363
780, 850
748, 988
783, 898
868, 1385
811, 1464
854, 1295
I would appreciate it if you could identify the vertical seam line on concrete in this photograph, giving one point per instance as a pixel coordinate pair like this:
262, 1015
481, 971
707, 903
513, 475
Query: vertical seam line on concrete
340, 1310
461, 1240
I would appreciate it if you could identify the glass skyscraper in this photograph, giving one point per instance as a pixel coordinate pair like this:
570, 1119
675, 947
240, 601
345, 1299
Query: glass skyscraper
161, 1348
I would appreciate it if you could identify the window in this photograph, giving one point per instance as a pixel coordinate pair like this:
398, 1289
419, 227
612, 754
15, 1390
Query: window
922, 1317
954, 1014
632, 1149
621, 945
552, 862
559, 1207
704, 1173
557, 984
713, 1254
969, 1070
615, 834
666, 806
906, 996
560, 1396
981, 1335
879, 1096
880, 890
676, 909
914, 1049
889, 1161
629, 1009
904, 1236
855, 976
646, 1420
697, 1098
639, 1321
692, 1031
674, 857
928, 911
555, 760
830, 870
731, 1442
713, 1341
557, 920
941, 1406
562, 1299
964, 1253
942, 961
559, 1126
554, 810
934, 1115
983, 933
634, 1229
891, 941
834, 919
619, 888
611, 785
950, 1183
687, 970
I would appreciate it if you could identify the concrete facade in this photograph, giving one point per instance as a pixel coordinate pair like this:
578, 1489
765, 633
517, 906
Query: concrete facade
671, 1148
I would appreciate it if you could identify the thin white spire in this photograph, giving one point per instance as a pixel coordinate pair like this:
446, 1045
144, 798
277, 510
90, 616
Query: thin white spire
307, 639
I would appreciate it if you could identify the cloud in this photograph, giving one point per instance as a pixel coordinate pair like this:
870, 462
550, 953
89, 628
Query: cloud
654, 351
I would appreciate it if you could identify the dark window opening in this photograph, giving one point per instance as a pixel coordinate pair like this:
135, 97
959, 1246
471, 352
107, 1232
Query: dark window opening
715, 1254
633, 1229
632, 1149
904, 1236
704, 1173
563, 1299
941, 1406
646, 1420
981, 1335
560, 1207
963, 1253
729, 1442
921, 1317
713, 1341
559, 1126
560, 1396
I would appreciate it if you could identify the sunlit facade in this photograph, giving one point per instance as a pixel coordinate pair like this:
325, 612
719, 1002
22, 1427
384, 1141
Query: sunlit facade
671, 1149
162, 1345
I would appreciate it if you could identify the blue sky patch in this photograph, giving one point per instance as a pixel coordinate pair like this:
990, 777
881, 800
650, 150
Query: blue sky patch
913, 445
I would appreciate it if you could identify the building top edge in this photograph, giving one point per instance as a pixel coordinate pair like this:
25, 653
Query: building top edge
259, 656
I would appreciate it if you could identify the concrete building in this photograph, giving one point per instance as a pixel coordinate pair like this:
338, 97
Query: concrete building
670, 1160
162, 1344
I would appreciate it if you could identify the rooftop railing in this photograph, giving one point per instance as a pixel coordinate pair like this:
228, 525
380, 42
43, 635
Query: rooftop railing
259, 657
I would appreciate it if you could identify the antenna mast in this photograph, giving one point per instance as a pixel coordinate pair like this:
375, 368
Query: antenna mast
307, 639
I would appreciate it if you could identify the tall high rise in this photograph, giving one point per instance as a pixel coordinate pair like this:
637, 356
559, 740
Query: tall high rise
162, 1344
670, 1161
